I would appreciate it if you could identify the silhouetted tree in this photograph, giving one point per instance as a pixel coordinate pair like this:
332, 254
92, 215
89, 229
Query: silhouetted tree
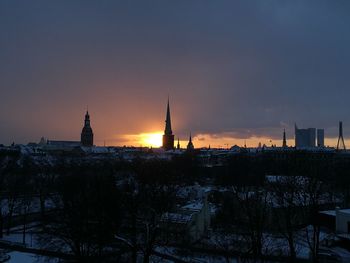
87, 216
286, 192
312, 196
144, 202
254, 205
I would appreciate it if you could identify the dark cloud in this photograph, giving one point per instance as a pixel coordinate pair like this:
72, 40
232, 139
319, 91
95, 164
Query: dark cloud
247, 68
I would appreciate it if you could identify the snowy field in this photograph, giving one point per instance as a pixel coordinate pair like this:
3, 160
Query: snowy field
18, 257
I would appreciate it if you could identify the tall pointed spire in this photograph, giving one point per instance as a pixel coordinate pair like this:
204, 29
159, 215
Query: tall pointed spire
190, 145
168, 121
284, 144
178, 143
87, 119
168, 137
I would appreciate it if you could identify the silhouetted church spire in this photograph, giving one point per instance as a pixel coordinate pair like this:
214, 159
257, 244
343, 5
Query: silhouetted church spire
168, 137
284, 144
190, 145
87, 119
168, 121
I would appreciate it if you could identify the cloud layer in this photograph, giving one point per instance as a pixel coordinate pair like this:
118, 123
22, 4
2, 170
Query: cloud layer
244, 68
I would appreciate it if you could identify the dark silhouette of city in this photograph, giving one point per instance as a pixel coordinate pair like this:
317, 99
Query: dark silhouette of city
251, 165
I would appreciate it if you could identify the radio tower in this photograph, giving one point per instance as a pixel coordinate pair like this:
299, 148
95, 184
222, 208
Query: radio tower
341, 143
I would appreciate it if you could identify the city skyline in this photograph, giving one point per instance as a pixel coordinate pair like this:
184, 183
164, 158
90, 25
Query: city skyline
174, 131
156, 139
236, 72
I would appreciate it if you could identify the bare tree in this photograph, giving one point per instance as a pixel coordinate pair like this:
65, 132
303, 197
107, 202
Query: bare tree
1, 203
24, 207
86, 217
286, 194
254, 208
43, 184
313, 196
144, 204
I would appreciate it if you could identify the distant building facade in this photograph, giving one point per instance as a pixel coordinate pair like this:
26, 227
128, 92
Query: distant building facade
190, 223
168, 137
87, 136
305, 138
337, 220
61, 146
67, 144
320, 137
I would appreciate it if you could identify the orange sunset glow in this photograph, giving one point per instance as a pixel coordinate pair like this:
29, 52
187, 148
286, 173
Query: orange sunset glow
225, 94
151, 139
147, 139
154, 140
174, 131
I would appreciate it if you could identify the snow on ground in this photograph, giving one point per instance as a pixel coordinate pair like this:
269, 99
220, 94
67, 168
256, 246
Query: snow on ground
16, 235
19, 257
193, 257
17, 238
343, 253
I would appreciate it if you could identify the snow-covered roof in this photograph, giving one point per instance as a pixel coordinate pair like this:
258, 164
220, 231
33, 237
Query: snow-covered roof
64, 143
334, 212
328, 212
285, 179
195, 207
180, 218
344, 235
344, 211
96, 149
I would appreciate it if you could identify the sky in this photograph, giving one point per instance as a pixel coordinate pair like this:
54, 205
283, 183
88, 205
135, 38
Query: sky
235, 71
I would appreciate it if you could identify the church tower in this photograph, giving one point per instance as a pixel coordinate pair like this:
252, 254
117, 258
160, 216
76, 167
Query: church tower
87, 136
168, 137
190, 145
284, 143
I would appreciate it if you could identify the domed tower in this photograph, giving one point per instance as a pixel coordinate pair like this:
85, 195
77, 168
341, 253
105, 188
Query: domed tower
87, 136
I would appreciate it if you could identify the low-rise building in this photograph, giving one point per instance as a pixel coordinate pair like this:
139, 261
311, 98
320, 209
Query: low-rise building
337, 220
190, 223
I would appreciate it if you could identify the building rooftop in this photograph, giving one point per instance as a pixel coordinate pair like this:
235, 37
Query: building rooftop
179, 218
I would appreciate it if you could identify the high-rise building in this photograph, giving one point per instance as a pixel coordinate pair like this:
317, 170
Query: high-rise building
168, 137
305, 138
320, 137
87, 136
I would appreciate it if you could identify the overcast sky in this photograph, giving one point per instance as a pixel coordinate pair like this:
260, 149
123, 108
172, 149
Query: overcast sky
232, 69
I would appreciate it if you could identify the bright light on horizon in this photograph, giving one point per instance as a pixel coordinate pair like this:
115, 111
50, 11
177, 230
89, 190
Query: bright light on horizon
151, 139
